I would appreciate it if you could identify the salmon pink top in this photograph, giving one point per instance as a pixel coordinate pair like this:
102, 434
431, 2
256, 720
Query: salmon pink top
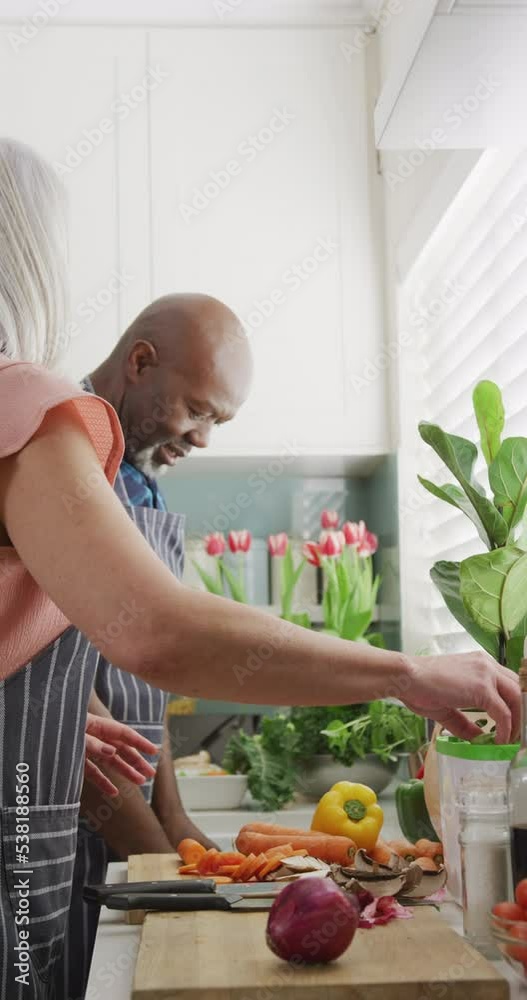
29, 620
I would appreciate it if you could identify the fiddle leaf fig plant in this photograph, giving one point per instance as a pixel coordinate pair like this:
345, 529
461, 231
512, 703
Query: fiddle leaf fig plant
486, 593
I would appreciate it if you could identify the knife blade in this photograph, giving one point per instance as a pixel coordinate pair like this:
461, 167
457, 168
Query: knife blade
181, 902
98, 894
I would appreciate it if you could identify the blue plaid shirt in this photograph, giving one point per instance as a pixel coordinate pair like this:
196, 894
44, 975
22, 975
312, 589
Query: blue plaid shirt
141, 489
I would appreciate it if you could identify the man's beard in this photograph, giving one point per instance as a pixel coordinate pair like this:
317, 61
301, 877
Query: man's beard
143, 460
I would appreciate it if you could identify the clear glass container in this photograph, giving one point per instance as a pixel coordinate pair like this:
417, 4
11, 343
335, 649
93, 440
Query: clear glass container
485, 856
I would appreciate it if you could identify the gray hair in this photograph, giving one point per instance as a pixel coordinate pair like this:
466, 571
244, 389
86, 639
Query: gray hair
33, 253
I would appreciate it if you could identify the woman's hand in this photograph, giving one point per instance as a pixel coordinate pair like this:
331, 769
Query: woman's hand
439, 685
115, 744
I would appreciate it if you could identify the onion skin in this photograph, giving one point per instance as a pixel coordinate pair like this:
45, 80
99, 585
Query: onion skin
312, 921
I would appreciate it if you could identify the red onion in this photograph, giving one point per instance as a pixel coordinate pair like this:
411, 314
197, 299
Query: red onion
312, 920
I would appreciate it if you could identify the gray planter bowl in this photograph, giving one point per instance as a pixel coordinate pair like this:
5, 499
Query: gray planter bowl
318, 774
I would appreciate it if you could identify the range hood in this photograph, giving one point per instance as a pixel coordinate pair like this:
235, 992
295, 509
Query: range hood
454, 75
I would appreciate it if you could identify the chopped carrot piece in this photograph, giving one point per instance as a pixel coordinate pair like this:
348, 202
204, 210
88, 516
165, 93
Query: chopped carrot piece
221, 879
279, 852
231, 858
188, 870
190, 851
239, 876
271, 866
207, 866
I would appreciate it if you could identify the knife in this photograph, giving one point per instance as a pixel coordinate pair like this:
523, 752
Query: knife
98, 894
181, 902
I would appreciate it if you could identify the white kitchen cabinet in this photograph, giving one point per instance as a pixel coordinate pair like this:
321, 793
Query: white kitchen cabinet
66, 93
261, 195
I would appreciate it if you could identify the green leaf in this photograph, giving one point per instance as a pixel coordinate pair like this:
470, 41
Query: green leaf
445, 575
490, 415
514, 597
376, 639
454, 495
514, 652
483, 580
459, 455
236, 588
212, 585
508, 480
354, 625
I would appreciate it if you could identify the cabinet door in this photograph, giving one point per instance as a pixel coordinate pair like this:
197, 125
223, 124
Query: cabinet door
71, 96
260, 196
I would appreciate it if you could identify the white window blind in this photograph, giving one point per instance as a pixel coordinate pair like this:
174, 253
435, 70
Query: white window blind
463, 313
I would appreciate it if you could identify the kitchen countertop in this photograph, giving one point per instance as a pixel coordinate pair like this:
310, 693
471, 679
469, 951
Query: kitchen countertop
117, 943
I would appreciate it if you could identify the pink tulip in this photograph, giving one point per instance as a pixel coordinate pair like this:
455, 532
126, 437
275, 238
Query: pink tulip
358, 535
240, 541
278, 544
332, 543
311, 552
215, 544
330, 519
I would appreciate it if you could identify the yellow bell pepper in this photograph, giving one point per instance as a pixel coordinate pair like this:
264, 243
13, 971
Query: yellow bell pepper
350, 810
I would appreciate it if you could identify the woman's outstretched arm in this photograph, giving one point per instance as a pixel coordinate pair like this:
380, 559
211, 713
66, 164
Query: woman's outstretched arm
73, 535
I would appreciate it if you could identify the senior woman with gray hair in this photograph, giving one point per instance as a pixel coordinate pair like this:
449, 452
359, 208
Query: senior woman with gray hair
70, 568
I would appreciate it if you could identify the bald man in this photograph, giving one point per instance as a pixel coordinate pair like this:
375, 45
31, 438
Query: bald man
181, 368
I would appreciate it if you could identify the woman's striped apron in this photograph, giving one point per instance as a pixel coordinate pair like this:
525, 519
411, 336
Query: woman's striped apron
42, 740
141, 706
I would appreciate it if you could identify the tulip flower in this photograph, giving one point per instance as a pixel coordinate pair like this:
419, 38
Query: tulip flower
277, 544
312, 552
240, 541
330, 519
215, 544
332, 543
363, 540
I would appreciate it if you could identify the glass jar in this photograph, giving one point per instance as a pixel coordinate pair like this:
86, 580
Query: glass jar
485, 856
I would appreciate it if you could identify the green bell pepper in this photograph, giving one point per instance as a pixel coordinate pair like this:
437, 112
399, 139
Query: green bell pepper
412, 813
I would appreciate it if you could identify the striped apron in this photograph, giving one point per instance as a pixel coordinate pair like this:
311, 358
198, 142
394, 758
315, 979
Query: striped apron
142, 707
42, 739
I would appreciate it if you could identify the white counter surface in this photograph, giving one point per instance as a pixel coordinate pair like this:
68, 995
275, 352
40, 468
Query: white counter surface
118, 944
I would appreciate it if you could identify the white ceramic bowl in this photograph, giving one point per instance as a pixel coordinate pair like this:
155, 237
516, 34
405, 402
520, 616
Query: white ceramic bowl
218, 791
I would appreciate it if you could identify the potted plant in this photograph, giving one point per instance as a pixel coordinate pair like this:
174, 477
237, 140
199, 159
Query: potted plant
486, 593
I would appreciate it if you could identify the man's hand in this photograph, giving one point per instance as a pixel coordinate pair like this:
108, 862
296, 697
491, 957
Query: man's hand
117, 746
438, 685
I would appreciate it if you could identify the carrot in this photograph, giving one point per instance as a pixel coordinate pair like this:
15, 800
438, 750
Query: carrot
227, 869
381, 853
426, 864
221, 879
188, 870
430, 849
285, 851
271, 866
231, 857
207, 864
275, 830
191, 851
244, 868
404, 849
332, 849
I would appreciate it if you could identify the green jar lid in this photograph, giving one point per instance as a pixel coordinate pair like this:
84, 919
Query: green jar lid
452, 746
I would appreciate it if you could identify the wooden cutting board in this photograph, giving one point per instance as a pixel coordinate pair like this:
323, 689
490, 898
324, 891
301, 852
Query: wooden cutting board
223, 956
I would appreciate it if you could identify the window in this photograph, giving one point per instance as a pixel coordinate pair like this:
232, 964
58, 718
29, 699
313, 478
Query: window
462, 317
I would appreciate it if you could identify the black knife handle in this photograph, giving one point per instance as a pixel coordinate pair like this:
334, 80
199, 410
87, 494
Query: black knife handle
99, 893
165, 902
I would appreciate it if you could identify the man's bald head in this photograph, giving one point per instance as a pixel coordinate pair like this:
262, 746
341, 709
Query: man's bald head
182, 366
